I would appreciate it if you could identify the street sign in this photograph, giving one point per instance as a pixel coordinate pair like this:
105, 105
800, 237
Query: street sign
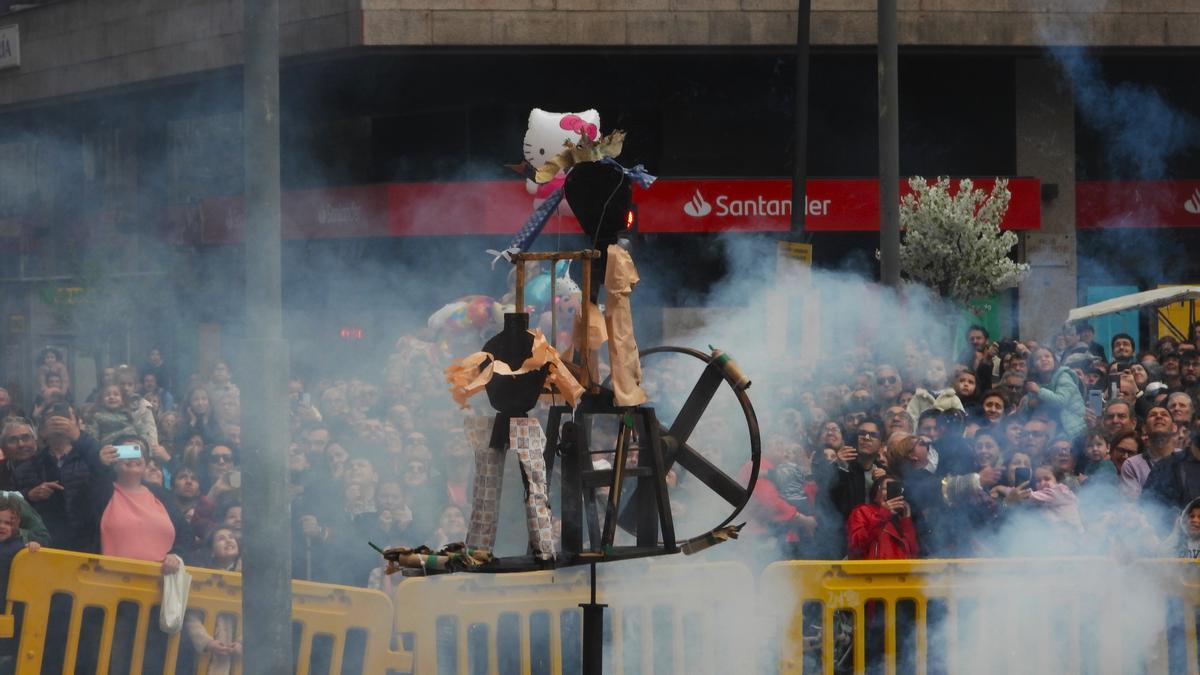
10, 46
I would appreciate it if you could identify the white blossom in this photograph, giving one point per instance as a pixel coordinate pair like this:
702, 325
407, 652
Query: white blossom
953, 243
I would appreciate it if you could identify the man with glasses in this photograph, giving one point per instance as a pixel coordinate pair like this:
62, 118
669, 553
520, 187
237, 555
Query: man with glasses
897, 419
223, 471
1012, 385
18, 440
888, 385
858, 468
1035, 436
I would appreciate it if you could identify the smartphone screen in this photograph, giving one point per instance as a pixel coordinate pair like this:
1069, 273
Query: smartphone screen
895, 489
1022, 475
59, 409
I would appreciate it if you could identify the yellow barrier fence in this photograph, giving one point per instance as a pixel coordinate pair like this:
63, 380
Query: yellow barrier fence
81, 613
1076, 615
664, 616
87, 613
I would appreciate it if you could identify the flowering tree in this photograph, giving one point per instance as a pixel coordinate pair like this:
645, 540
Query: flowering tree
953, 242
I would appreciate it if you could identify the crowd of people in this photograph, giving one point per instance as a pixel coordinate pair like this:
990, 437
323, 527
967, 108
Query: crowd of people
126, 471
1012, 448
875, 455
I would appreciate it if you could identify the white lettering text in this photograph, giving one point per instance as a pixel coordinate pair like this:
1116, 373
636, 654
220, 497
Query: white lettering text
767, 207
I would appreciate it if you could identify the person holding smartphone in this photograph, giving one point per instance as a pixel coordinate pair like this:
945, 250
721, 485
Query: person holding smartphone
136, 519
55, 480
882, 529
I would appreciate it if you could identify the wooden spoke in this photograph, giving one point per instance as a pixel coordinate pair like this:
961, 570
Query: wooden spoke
697, 402
717, 480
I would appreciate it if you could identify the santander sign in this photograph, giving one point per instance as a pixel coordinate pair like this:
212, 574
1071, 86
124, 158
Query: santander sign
697, 207
765, 205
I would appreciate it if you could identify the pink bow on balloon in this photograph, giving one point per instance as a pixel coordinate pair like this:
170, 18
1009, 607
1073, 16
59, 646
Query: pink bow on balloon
580, 125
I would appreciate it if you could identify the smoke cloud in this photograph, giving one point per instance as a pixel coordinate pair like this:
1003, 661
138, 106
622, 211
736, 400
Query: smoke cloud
1140, 129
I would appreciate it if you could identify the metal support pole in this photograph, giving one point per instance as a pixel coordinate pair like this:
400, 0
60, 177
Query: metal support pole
266, 577
889, 146
593, 633
800, 150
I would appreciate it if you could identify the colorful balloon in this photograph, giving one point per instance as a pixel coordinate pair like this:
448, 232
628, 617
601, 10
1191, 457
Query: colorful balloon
469, 314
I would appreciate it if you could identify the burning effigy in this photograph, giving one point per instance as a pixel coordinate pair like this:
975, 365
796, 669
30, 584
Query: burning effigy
519, 365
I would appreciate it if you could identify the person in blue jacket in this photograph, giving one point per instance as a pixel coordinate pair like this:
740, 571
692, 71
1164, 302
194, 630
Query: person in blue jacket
1054, 390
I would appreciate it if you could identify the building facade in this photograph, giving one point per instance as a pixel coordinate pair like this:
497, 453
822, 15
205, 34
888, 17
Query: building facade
120, 146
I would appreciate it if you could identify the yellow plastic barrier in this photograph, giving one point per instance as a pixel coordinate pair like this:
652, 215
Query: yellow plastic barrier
664, 616
94, 612
1000, 615
86, 613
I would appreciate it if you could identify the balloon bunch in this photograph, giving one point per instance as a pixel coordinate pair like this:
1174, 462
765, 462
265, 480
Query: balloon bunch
470, 315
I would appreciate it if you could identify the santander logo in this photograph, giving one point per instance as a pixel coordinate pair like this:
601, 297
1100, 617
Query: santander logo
696, 207
1192, 205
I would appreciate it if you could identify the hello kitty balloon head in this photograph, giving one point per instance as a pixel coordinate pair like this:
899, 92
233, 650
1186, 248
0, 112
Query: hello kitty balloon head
547, 131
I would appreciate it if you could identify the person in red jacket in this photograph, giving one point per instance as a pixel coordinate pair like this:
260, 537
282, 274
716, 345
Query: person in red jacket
882, 529
773, 521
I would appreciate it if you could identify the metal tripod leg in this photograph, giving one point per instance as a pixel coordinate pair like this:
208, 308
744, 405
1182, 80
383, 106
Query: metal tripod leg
592, 513
572, 488
614, 492
653, 442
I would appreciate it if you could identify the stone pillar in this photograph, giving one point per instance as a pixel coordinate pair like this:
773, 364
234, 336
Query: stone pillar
1045, 112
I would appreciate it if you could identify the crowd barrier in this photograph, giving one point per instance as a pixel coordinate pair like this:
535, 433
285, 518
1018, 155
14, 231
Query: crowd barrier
77, 613
81, 613
1042, 615
663, 616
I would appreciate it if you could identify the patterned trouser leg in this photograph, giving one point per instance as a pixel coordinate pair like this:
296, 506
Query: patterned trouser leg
489, 470
528, 440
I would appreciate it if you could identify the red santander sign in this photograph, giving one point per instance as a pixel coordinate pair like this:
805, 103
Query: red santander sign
1141, 204
501, 207
765, 205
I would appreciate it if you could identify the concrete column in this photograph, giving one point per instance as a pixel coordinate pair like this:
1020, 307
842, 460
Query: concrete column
266, 573
1045, 111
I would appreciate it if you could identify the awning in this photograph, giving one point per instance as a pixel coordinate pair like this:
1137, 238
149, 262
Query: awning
1146, 299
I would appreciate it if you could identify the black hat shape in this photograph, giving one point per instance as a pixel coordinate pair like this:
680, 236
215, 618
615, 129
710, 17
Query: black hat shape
514, 395
600, 195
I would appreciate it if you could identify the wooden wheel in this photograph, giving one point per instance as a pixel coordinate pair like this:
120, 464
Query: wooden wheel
676, 434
